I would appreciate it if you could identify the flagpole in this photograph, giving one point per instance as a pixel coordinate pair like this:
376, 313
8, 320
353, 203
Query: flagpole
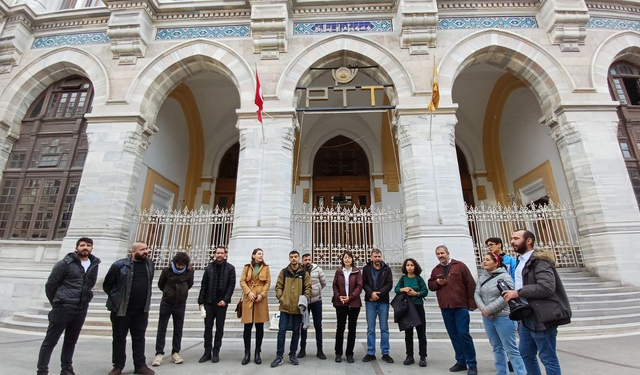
433, 105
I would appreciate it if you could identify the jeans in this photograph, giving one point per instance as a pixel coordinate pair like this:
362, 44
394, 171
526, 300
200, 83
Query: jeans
374, 310
422, 335
166, 311
61, 320
135, 322
542, 343
456, 320
217, 313
246, 336
316, 311
341, 314
502, 336
294, 320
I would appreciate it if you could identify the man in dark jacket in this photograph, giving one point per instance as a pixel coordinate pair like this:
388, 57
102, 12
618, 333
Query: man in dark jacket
128, 288
174, 282
377, 280
218, 282
538, 284
68, 290
454, 286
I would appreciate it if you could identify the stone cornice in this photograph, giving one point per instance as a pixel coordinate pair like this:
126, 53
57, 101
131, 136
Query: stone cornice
475, 5
624, 8
585, 107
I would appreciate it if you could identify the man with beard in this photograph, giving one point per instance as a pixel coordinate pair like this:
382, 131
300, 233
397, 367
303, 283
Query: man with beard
377, 280
538, 284
69, 291
128, 287
455, 287
318, 282
218, 282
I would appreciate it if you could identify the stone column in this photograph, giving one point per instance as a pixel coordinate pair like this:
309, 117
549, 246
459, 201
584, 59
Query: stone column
106, 198
606, 208
263, 192
434, 206
7, 140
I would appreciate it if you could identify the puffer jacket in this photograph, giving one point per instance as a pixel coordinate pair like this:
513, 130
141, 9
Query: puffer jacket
208, 287
175, 287
488, 296
290, 285
318, 282
117, 285
69, 286
544, 292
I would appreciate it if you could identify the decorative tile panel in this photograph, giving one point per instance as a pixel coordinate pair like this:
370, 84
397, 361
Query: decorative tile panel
70, 40
456, 23
613, 24
372, 26
203, 32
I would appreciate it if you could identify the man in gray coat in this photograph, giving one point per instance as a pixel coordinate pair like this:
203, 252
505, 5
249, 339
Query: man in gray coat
318, 282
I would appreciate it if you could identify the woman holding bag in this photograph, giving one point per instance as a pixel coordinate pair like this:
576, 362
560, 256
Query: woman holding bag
414, 285
347, 286
255, 282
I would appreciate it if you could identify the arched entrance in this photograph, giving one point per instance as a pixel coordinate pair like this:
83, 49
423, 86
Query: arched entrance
227, 177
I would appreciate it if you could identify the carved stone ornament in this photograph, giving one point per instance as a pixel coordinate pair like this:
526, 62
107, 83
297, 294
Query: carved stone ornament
344, 75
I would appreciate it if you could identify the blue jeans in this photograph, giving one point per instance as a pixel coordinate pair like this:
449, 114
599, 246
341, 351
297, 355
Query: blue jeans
542, 343
295, 320
502, 336
456, 320
316, 311
374, 310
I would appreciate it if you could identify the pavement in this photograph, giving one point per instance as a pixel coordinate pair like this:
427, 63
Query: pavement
596, 355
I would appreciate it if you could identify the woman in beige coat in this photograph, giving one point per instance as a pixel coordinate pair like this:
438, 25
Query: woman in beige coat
255, 282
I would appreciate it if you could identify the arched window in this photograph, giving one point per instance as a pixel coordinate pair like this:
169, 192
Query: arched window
42, 176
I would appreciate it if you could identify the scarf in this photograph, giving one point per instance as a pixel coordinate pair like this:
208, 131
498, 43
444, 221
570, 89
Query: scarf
176, 270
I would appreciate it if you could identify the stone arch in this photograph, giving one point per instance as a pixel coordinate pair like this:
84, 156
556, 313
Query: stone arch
392, 68
158, 78
623, 45
50, 67
547, 78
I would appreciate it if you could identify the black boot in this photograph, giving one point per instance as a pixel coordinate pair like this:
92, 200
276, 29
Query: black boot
205, 357
302, 353
247, 358
320, 353
215, 358
257, 358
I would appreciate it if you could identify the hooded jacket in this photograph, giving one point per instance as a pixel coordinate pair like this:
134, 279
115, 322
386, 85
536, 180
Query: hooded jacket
544, 292
175, 287
488, 297
69, 286
318, 282
117, 285
384, 284
290, 285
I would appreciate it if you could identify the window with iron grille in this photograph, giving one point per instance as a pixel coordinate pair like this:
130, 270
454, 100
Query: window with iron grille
42, 176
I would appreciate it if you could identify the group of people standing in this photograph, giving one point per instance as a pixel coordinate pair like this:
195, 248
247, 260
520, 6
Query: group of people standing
128, 285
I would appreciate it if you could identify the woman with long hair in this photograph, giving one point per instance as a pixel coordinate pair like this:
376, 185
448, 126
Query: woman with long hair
414, 285
255, 282
495, 315
347, 286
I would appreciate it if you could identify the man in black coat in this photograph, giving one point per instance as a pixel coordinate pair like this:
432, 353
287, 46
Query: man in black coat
377, 280
218, 282
69, 292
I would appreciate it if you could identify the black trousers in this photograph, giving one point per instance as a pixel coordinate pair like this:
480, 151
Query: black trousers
135, 322
422, 335
316, 311
342, 313
167, 311
219, 314
246, 335
61, 320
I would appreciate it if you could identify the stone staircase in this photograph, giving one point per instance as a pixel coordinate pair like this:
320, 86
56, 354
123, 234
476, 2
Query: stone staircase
599, 308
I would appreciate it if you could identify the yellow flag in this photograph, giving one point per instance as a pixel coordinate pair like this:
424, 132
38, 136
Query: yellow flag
435, 93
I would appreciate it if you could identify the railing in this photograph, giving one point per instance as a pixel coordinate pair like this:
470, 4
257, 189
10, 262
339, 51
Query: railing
326, 232
554, 226
196, 232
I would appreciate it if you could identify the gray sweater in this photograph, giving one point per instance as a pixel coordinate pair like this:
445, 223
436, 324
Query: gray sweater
488, 296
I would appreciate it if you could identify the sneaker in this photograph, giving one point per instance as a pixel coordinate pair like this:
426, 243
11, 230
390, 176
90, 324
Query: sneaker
67, 371
350, 359
387, 358
408, 361
144, 371
458, 367
115, 371
293, 360
276, 362
175, 358
157, 361
472, 371
423, 362
302, 353
368, 358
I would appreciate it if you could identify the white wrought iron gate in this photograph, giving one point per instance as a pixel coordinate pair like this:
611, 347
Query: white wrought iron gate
326, 232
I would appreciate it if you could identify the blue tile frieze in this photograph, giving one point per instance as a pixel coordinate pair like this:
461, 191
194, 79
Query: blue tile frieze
371, 26
203, 32
458, 23
613, 24
69, 40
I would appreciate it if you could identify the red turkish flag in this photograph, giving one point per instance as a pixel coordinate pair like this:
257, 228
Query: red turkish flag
259, 98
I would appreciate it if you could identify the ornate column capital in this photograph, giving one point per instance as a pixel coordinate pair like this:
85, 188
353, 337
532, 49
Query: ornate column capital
566, 22
15, 38
269, 21
419, 20
130, 28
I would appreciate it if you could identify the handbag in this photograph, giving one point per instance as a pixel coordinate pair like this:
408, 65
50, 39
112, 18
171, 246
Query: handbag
239, 309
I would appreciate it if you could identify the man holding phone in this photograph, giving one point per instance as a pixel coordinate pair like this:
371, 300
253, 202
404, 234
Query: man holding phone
454, 286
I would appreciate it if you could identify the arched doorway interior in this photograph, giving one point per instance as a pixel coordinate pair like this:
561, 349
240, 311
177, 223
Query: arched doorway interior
227, 176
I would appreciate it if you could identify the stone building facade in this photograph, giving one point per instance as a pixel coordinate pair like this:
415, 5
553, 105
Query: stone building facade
527, 99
